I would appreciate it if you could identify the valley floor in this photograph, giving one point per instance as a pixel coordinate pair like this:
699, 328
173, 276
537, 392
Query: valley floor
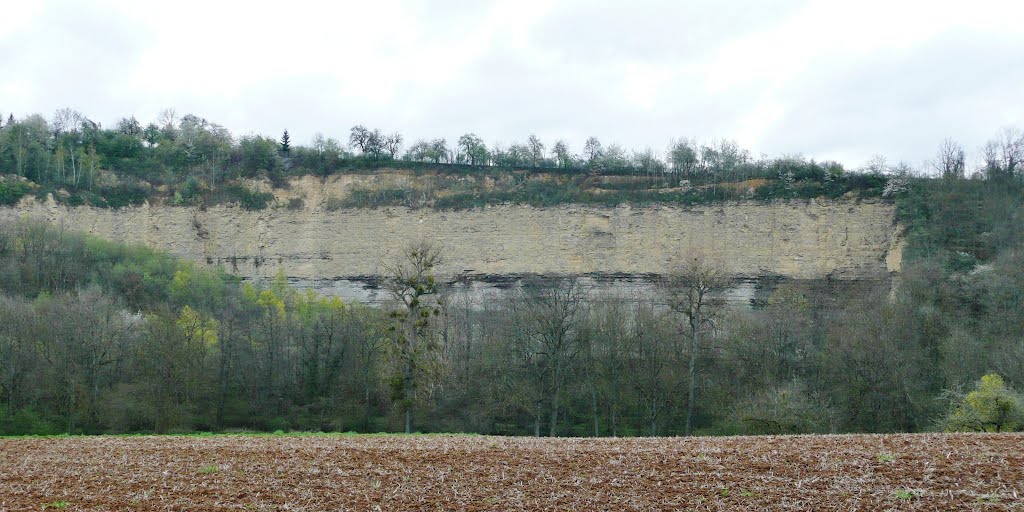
440, 472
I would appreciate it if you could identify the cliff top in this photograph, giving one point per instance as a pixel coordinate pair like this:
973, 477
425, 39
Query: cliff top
441, 189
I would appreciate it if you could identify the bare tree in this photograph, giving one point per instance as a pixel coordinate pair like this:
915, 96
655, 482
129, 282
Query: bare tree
535, 150
1003, 155
18, 351
877, 164
549, 316
412, 284
66, 126
560, 152
393, 144
650, 362
168, 118
682, 155
950, 161
592, 150
367, 345
66, 121
84, 347
606, 345
439, 151
1011, 146
370, 142
689, 290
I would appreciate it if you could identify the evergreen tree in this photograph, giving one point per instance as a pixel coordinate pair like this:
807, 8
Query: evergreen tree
286, 146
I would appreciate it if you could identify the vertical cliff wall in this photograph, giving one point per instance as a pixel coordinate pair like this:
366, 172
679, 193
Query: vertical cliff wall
798, 239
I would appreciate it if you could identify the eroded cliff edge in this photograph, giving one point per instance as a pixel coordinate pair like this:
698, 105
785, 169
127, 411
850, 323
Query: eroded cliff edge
796, 239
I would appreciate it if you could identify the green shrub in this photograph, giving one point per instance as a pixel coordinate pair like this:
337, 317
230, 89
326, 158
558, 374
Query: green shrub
462, 201
376, 198
334, 203
74, 200
991, 407
12, 191
867, 183
191, 192
248, 199
122, 195
25, 421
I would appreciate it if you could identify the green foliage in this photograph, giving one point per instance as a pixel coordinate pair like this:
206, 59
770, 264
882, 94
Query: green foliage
444, 192
122, 195
196, 162
990, 407
248, 199
194, 192
258, 154
25, 421
904, 494
374, 198
868, 184
191, 192
958, 219
286, 145
11, 191
100, 337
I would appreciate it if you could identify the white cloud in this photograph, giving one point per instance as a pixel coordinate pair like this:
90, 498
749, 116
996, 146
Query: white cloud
818, 77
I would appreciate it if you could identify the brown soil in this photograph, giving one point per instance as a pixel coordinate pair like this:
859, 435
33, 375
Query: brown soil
861, 472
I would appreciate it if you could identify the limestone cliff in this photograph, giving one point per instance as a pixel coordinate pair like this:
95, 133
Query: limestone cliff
798, 239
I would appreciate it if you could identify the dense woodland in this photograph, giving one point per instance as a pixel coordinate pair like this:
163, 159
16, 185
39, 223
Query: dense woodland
98, 337
191, 161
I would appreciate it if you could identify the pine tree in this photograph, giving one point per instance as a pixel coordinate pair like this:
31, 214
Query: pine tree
286, 146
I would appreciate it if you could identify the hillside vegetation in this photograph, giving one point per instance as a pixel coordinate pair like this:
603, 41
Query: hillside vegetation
100, 337
191, 161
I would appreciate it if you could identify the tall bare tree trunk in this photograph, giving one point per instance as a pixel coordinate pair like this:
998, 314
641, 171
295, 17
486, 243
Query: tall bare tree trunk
553, 430
410, 345
654, 421
693, 377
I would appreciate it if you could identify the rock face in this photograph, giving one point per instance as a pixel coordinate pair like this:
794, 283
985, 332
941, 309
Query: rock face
799, 240
488, 251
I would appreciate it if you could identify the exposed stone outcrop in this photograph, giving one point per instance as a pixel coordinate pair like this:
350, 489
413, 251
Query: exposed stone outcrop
797, 239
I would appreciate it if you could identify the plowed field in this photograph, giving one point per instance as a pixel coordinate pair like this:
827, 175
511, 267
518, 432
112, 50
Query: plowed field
861, 472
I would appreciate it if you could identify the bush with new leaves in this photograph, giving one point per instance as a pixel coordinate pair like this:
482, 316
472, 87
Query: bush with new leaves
991, 407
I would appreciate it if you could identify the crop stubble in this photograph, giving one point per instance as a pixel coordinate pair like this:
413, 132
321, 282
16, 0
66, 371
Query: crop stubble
854, 472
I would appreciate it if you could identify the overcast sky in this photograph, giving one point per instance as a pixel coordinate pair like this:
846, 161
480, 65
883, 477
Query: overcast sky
829, 79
